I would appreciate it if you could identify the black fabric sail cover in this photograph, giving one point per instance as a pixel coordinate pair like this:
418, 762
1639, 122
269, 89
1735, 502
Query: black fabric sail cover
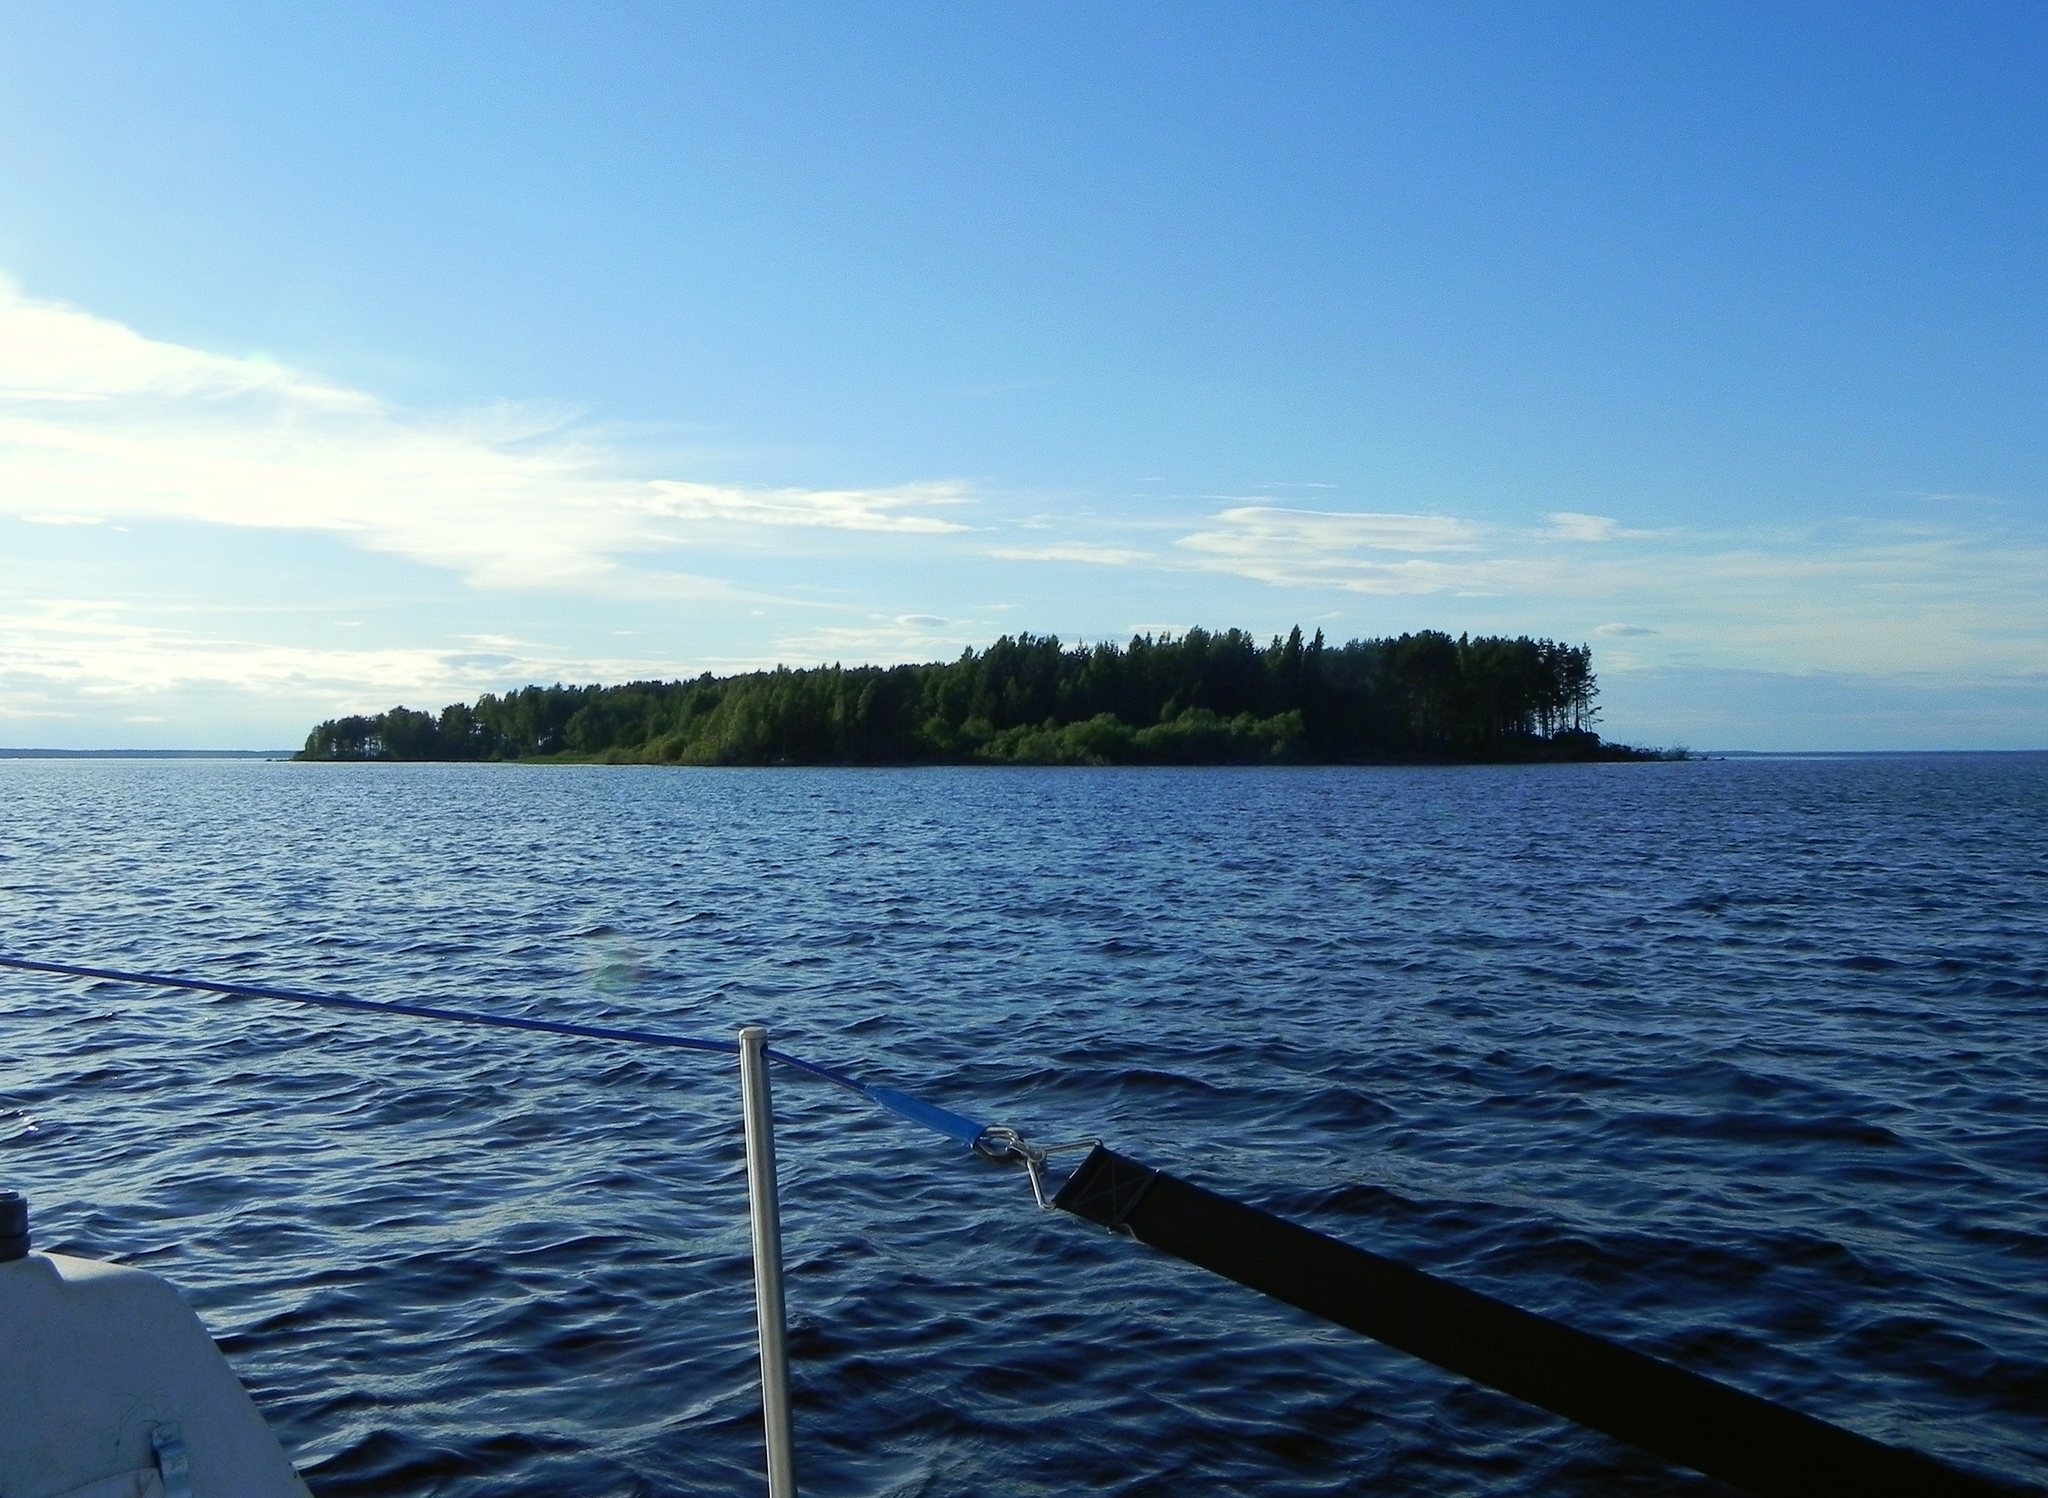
1761, 1447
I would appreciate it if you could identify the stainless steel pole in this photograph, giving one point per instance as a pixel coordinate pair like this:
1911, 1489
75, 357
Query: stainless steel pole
766, 1217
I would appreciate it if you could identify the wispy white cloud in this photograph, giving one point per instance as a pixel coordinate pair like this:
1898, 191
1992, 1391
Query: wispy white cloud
1570, 525
1357, 552
1079, 552
880, 641
61, 658
1263, 529
902, 510
53, 353
98, 422
1849, 595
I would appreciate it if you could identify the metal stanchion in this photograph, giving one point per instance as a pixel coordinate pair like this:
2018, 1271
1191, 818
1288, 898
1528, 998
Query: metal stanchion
766, 1218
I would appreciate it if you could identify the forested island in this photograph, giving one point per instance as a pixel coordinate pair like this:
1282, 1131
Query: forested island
1196, 698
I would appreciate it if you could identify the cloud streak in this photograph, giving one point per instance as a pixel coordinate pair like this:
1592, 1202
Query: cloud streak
1319, 532
1078, 552
900, 510
1851, 595
1570, 525
99, 423
59, 658
1387, 554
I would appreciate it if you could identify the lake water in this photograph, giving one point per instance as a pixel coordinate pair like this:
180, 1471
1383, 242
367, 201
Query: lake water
1744, 1062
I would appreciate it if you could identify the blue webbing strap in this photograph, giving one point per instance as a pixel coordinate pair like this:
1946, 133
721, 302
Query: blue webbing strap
952, 1125
929, 1115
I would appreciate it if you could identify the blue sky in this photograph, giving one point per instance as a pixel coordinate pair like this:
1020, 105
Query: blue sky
378, 353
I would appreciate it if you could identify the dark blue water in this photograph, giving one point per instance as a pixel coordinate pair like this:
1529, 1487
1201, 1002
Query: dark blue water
1744, 1062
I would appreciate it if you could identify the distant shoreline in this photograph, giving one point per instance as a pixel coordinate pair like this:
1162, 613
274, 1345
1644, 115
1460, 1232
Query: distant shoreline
147, 753
571, 759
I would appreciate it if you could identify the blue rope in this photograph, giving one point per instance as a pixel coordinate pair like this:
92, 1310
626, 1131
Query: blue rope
939, 1120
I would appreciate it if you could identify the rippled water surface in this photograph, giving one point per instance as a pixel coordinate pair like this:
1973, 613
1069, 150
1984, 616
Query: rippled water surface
1745, 1062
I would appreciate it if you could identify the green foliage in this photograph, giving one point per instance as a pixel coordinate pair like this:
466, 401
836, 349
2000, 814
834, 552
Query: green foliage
1199, 698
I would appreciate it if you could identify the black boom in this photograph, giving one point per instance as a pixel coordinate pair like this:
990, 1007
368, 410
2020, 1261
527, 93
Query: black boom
1761, 1447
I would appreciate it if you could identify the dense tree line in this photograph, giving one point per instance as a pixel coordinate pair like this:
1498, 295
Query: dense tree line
1199, 698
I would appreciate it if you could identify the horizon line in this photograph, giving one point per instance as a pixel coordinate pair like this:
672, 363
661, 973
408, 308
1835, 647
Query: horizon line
282, 753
